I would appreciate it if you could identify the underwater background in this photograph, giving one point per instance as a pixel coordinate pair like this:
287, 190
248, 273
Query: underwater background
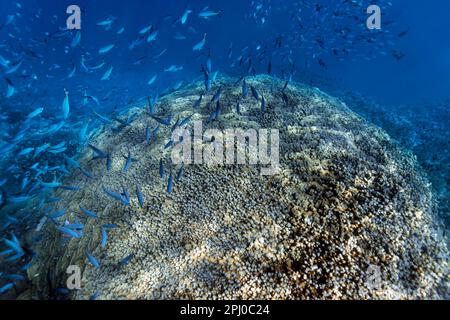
397, 78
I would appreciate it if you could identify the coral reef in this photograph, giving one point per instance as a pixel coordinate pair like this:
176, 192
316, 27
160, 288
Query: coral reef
349, 215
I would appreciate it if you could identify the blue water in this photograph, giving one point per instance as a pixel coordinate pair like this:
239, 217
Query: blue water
322, 43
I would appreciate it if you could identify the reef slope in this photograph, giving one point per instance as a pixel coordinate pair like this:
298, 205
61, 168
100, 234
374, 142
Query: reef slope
348, 216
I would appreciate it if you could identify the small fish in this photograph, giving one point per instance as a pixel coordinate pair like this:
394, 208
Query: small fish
173, 68
217, 95
57, 215
198, 103
6, 288
93, 260
159, 55
106, 49
263, 104
199, 46
107, 23
109, 226
128, 162
108, 162
180, 173
51, 185
35, 113
94, 296
168, 144
209, 63
14, 68
102, 119
10, 90
107, 74
4, 62
66, 106
152, 36
185, 121
104, 237
99, 154
148, 135
69, 232
185, 16
152, 80
140, 196
145, 29
244, 89
14, 277
170, 183
254, 92
206, 14
76, 39
25, 152
89, 213
72, 73
124, 199
179, 36
126, 260
164, 122
70, 188
161, 168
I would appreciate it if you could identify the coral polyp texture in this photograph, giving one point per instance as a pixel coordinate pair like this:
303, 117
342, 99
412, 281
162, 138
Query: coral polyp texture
349, 215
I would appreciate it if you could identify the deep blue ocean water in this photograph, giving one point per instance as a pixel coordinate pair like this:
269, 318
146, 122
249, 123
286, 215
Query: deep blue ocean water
397, 77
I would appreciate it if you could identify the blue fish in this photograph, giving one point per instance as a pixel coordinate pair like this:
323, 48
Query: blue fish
66, 106
185, 121
69, 232
168, 144
126, 260
35, 113
25, 152
140, 196
128, 162
164, 122
106, 49
92, 260
217, 95
99, 154
57, 214
70, 188
94, 296
198, 103
180, 173
117, 196
244, 89
170, 183
109, 226
104, 237
87, 173
14, 277
185, 16
148, 135
89, 213
75, 226
108, 162
263, 104
161, 168
15, 246
254, 93
6, 288
199, 46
